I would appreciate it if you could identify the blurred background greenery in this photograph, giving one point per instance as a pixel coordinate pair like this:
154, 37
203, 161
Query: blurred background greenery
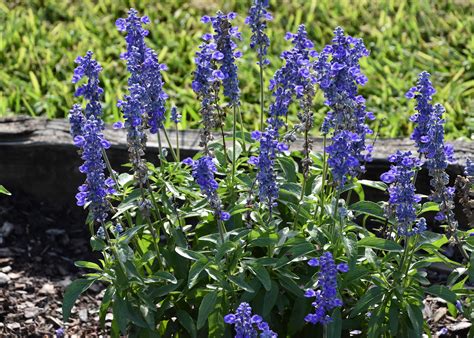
41, 38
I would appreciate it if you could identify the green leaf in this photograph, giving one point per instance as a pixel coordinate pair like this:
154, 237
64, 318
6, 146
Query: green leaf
4, 191
87, 265
207, 306
124, 179
194, 272
289, 168
270, 298
334, 328
187, 322
394, 314
73, 291
120, 311
374, 184
263, 276
189, 254
105, 304
290, 285
428, 206
471, 268
368, 208
164, 275
372, 296
240, 282
416, 317
442, 292
380, 243
128, 234
238, 151
97, 244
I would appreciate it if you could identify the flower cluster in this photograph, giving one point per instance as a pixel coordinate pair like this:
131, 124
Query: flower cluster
136, 137
403, 199
206, 85
266, 176
294, 78
326, 293
175, 115
87, 135
428, 135
247, 325
422, 93
91, 91
339, 75
145, 70
203, 171
226, 53
258, 15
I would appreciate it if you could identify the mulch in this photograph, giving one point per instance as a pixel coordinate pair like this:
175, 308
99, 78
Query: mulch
38, 247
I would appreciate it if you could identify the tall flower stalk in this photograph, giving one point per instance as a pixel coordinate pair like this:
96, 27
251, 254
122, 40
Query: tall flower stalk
258, 15
86, 130
145, 82
403, 198
339, 75
203, 171
325, 291
429, 139
293, 80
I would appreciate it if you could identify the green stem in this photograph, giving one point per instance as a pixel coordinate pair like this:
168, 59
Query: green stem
221, 227
152, 229
234, 142
160, 149
177, 143
300, 201
175, 158
261, 94
109, 168
244, 144
323, 178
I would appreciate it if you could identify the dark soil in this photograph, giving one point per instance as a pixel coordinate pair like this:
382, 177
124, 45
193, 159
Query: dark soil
38, 247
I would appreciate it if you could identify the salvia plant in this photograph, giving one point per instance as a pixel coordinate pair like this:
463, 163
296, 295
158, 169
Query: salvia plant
253, 237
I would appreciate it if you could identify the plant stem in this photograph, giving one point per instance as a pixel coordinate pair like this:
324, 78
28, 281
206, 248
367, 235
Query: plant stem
221, 227
244, 145
160, 149
234, 142
175, 158
261, 93
177, 143
323, 179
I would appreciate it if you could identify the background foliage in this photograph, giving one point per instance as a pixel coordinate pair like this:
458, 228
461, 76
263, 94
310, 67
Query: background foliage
39, 38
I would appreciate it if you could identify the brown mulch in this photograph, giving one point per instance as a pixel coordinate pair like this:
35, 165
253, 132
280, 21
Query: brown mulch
37, 255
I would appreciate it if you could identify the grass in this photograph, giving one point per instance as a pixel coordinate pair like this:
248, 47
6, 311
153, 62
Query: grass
39, 40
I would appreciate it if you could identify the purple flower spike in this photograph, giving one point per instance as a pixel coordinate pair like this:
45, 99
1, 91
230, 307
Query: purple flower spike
339, 76
403, 199
258, 15
145, 82
429, 138
247, 325
326, 296
203, 173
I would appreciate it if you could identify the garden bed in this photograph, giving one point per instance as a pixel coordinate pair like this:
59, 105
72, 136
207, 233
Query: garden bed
41, 229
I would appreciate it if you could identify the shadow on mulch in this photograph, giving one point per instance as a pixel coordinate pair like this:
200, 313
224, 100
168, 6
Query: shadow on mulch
38, 247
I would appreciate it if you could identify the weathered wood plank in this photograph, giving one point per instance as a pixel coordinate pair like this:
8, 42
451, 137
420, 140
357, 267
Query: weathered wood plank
23, 131
38, 158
